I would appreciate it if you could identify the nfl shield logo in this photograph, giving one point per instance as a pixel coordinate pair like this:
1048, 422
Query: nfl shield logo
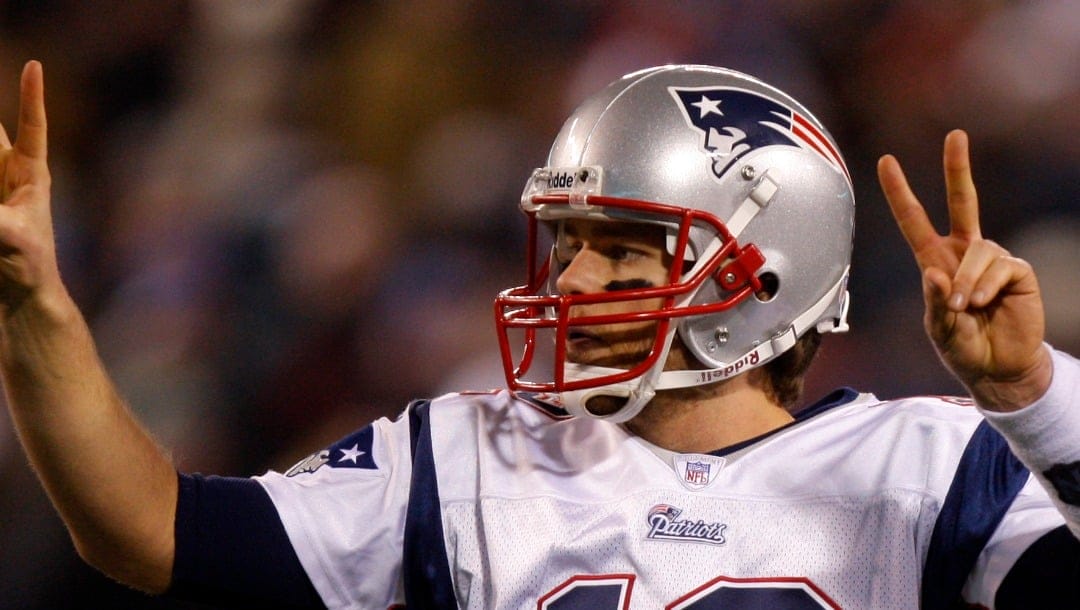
696, 471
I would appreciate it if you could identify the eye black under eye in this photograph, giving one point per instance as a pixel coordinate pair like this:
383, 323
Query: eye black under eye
628, 284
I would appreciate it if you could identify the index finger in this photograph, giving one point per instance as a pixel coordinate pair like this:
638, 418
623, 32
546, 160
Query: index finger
960, 187
31, 140
910, 215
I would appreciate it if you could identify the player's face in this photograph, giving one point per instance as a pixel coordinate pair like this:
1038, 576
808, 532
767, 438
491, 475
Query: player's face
601, 256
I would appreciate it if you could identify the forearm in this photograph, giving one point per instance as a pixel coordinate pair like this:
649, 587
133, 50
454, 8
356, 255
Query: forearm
113, 487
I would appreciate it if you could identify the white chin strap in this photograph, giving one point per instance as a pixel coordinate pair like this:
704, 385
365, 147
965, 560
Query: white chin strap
639, 391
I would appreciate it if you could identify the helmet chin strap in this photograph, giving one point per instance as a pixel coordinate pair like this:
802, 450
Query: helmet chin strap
639, 391
636, 393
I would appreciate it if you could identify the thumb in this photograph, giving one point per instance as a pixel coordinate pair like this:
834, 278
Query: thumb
937, 286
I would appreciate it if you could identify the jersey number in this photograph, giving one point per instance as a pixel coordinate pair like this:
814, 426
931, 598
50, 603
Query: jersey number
612, 592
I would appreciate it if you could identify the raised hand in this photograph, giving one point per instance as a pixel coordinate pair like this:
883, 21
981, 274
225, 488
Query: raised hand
27, 250
984, 311
74, 426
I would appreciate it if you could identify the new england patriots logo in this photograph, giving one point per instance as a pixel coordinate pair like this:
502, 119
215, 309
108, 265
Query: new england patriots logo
734, 122
353, 451
665, 511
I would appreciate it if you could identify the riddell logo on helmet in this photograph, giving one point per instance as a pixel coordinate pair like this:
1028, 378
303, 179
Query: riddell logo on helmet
561, 180
732, 369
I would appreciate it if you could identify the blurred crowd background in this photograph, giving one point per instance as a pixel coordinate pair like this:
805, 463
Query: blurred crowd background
285, 218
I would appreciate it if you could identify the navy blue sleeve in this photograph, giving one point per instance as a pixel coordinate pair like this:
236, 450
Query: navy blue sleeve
427, 578
1047, 575
986, 482
232, 549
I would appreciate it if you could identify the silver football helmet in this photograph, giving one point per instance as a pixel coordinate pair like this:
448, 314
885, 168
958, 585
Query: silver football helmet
757, 203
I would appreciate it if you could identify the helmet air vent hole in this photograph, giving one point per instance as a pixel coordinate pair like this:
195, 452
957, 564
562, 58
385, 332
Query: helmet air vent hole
770, 285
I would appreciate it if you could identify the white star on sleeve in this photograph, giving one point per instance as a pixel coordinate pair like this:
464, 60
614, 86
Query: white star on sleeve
707, 106
351, 454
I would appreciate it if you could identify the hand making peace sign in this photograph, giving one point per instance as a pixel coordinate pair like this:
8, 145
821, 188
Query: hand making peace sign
984, 310
27, 250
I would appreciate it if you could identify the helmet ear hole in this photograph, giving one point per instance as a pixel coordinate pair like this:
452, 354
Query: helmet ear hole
770, 285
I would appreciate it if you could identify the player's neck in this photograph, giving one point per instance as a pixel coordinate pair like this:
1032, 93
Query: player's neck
701, 421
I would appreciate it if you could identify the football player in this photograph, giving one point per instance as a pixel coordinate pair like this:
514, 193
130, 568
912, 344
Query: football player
690, 245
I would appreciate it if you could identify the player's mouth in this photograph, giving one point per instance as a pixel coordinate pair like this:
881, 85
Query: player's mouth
580, 342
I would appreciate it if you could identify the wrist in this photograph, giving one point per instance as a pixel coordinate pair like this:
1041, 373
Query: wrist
1016, 392
43, 305
31, 324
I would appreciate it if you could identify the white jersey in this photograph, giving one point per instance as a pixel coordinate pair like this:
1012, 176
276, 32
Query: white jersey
499, 501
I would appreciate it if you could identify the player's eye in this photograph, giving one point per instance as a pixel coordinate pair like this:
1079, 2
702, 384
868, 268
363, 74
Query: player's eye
623, 254
566, 250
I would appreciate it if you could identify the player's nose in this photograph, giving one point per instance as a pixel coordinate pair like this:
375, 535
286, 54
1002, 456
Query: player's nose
582, 275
